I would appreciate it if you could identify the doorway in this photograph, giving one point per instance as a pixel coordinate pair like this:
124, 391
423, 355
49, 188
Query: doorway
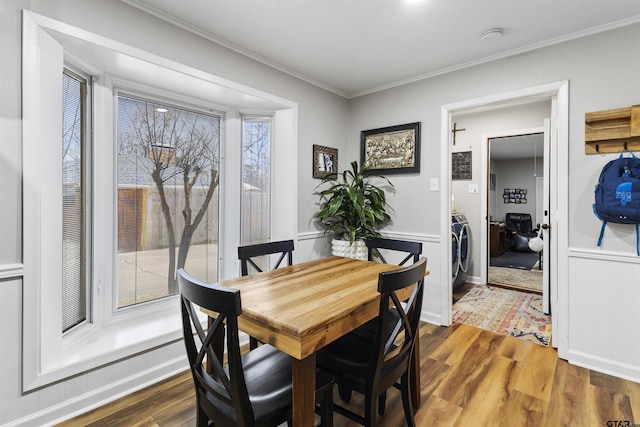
515, 207
558, 95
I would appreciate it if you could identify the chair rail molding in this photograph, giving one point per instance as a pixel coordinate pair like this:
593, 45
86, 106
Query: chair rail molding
11, 271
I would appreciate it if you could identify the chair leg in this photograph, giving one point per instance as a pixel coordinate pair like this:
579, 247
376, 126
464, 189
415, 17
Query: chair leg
253, 343
370, 410
345, 392
326, 408
382, 403
202, 419
406, 400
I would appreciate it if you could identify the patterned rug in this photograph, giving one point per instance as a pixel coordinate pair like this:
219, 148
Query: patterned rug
506, 312
527, 280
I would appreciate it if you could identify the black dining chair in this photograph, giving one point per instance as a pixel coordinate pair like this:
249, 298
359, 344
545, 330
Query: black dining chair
253, 389
373, 364
376, 246
249, 254
394, 249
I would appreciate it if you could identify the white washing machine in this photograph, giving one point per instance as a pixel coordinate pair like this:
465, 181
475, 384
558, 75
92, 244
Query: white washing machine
460, 248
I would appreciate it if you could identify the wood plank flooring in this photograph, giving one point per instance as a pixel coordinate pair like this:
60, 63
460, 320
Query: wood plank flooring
470, 377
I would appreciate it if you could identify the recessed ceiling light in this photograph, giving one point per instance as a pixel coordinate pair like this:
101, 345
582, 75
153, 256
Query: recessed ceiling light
161, 110
492, 34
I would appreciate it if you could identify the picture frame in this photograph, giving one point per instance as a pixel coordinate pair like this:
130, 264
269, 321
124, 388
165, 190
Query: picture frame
325, 161
461, 165
515, 195
391, 150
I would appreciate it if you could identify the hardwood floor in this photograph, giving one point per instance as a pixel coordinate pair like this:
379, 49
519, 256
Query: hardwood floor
470, 377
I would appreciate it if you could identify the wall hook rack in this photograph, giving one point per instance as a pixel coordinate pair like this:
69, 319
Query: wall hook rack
612, 131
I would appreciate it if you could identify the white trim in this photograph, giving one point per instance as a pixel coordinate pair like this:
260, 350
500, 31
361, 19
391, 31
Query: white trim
607, 366
243, 51
234, 47
558, 92
519, 51
603, 255
11, 271
47, 357
110, 392
427, 238
49, 24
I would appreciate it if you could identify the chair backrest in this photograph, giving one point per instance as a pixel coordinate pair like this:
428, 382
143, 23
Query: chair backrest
519, 222
227, 386
246, 254
412, 249
394, 341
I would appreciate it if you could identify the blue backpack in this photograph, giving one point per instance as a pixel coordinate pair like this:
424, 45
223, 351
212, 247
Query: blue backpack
617, 194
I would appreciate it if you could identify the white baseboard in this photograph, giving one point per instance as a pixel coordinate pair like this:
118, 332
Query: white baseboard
101, 396
430, 317
606, 366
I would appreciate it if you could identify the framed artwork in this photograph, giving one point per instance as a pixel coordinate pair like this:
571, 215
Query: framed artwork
514, 195
393, 149
325, 161
461, 165
492, 182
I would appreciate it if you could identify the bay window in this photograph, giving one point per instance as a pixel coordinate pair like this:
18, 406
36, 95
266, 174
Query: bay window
131, 170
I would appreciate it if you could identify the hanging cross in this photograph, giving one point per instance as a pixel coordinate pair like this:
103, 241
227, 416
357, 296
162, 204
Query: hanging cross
454, 131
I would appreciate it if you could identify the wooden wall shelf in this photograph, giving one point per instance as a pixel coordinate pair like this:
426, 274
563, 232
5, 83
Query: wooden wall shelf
611, 131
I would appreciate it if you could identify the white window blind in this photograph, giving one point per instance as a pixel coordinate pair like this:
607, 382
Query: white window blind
74, 206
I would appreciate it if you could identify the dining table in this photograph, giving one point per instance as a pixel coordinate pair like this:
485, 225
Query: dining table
303, 307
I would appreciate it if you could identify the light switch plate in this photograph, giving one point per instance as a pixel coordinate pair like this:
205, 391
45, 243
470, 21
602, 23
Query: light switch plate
435, 185
473, 188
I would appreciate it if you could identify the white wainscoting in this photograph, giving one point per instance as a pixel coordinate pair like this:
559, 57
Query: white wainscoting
11, 271
312, 245
604, 312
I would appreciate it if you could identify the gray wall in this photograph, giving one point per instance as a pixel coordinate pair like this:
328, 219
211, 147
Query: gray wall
602, 74
322, 119
327, 119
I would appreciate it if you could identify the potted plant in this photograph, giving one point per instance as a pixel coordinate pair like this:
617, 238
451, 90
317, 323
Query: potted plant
352, 209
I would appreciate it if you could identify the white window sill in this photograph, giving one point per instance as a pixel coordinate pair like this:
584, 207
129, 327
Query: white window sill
92, 346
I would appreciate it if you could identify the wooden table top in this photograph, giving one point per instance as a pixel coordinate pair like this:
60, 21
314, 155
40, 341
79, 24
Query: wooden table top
303, 307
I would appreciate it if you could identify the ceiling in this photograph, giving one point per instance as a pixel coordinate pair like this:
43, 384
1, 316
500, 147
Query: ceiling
355, 47
517, 147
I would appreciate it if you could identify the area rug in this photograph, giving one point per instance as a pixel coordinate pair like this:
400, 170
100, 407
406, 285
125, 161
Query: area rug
520, 260
512, 313
526, 280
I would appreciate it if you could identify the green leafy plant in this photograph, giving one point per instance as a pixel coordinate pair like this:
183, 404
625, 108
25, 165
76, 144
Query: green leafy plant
352, 208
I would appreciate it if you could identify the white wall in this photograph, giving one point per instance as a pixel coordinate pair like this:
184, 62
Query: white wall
611, 82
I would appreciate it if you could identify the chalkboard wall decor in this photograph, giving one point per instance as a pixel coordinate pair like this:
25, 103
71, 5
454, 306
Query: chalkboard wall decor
514, 195
461, 165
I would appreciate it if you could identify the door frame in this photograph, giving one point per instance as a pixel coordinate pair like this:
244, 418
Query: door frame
558, 93
484, 192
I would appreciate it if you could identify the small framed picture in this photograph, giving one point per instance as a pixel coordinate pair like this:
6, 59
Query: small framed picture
325, 161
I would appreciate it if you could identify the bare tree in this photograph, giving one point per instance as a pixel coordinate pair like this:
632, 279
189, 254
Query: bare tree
257, 152
183, 148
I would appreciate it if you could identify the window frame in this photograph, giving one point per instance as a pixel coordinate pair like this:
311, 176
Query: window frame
141, 92
266, 117
86, 178
47, 357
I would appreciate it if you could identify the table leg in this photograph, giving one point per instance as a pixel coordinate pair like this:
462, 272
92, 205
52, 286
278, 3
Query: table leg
304, 389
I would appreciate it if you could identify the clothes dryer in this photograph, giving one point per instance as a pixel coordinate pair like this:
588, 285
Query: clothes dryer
460, 248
